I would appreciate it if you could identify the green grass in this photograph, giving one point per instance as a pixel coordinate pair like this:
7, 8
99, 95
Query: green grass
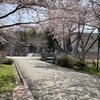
89, 69
7, 80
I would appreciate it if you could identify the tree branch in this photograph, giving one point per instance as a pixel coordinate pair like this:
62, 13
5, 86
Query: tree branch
95, 2
17, 8
91, 45
88, 39
37, 22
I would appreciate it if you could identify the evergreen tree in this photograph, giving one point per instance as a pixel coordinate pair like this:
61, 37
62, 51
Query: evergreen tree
50, 42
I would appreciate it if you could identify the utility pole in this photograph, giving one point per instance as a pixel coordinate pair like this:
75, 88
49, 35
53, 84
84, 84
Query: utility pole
98, 49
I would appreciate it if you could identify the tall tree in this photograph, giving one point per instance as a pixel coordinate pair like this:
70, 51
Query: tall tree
50, 42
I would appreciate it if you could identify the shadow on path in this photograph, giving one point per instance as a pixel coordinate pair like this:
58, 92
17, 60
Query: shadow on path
64, 84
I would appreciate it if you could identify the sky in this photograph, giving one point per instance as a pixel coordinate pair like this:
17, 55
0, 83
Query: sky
19, 16
24, 16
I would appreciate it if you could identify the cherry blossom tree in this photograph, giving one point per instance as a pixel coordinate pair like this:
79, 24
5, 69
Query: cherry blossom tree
20, 7
62, 17
66, 18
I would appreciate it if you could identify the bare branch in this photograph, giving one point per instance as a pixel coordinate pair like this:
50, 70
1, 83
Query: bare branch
92, 45
88, 38
17, 8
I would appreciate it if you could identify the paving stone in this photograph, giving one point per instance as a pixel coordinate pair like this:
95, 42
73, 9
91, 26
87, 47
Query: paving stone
20, 93
51, 82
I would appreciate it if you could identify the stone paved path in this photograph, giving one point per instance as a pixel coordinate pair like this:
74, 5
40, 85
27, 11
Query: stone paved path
20, 93
50, 82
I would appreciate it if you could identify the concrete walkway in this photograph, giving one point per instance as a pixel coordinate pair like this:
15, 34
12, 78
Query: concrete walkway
50, 82
30, 55
20, 93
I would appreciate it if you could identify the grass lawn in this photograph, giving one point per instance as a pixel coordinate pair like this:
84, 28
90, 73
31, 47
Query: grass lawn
7, 81
90, 69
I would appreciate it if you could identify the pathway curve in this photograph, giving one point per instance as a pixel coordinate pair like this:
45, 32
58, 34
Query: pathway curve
50, 82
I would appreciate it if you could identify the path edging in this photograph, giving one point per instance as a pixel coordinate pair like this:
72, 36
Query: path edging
23, 81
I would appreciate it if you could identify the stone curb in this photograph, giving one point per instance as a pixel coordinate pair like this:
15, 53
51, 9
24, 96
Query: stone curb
22, 82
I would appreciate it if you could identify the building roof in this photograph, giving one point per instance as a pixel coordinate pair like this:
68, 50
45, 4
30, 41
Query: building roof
87, 29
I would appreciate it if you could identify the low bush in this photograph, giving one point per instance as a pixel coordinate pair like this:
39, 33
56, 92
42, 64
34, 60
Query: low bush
7, 61
65, 60
1, 59
42, 59
80, 64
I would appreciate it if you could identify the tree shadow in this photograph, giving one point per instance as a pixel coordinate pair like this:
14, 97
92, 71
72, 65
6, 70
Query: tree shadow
63, 88
63, 84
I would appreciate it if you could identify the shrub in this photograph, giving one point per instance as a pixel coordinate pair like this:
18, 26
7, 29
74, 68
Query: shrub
65, 60
42, 59
80, 64
7, 61
1, 59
